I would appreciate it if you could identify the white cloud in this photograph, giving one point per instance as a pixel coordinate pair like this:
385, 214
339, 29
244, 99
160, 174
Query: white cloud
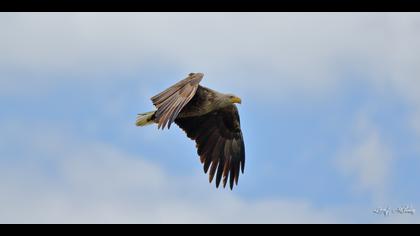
66, 179
367, 158
265, 54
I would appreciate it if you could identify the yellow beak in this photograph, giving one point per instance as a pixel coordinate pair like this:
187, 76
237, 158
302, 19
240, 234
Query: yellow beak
236, 100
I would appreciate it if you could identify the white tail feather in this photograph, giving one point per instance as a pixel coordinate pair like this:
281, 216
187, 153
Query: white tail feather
145, 119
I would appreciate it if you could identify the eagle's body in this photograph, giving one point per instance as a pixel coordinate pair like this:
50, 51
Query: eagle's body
202, 103
208, 117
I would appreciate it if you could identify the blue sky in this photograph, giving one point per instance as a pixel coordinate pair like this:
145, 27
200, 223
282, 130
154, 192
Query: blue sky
330, 116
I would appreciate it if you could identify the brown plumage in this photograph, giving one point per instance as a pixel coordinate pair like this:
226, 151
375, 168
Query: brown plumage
208, 117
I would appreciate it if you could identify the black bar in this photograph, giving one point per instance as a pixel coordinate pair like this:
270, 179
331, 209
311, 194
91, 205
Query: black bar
209, 6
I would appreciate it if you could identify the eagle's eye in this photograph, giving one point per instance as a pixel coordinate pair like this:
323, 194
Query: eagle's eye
191, 74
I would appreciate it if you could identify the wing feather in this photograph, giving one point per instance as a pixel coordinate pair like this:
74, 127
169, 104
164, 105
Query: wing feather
170, 102
219, 143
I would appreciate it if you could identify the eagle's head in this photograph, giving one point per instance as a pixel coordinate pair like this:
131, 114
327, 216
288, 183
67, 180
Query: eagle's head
234, 99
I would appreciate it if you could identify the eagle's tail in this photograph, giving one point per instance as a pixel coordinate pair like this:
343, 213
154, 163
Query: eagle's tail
145, 118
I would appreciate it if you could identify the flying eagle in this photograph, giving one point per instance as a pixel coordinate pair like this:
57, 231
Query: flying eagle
210, 118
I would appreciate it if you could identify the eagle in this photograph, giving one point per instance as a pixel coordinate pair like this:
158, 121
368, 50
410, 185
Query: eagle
208, 117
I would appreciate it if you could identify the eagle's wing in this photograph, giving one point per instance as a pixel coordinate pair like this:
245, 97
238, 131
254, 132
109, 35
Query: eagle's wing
171, 101
219, 141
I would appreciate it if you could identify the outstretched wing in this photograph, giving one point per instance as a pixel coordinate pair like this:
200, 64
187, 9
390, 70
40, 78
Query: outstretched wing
171, 101
220, 143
